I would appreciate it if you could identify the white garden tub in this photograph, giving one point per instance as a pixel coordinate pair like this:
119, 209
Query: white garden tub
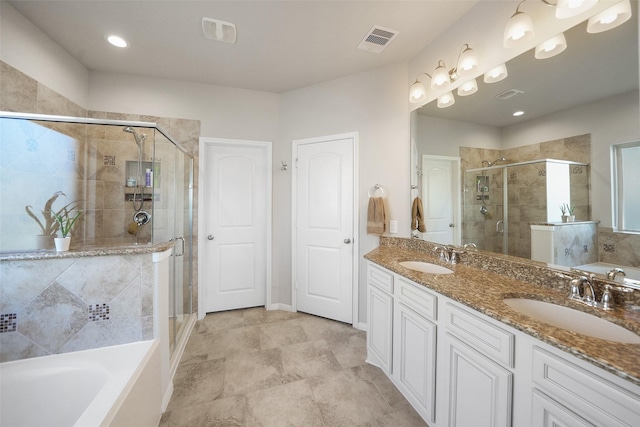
109, 386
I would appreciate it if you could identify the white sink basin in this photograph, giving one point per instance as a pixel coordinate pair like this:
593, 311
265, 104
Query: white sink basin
572, 320
425, 267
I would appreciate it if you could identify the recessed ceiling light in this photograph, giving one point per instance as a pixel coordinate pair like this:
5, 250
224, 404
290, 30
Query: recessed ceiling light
518, 113
117, 41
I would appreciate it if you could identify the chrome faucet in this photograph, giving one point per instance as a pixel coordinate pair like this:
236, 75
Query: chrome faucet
449, 253
581, 289
611, 274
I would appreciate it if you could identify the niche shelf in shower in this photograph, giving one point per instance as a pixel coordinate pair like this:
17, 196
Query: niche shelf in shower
131, 171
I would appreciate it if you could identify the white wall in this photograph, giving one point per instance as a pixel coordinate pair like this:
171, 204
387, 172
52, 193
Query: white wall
612, 120
374, 105
28, 49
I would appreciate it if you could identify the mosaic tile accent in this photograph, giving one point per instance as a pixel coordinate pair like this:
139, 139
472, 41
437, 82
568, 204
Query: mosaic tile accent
109, 160
609, 248
8, 322
99, 312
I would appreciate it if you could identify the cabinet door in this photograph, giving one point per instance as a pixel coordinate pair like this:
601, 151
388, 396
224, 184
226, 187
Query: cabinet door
380, 324
415, 359
480, 390
546, 412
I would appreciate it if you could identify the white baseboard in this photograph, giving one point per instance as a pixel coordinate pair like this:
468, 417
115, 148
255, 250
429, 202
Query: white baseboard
167, 396
361, 326
283, 307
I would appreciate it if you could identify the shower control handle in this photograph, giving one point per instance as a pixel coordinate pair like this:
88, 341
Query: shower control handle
210, 237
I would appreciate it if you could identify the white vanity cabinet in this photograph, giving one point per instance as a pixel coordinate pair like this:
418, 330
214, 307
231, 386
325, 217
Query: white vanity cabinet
478, 355
458, 367
414, 346
380, 317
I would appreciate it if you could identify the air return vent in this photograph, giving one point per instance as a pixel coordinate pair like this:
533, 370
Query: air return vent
377, 39
221, 31
509, 94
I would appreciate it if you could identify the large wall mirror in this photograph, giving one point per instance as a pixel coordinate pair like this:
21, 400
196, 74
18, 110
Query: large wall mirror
507, 172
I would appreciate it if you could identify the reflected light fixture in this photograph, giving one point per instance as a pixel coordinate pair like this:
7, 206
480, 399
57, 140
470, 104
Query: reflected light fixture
446, 100
440, 77
569, 8
468, 88
551, 47
610, 18
518, 113
116, 41
496, 74
519, 28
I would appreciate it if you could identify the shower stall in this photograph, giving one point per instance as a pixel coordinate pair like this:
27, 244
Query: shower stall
132, 183
501, 201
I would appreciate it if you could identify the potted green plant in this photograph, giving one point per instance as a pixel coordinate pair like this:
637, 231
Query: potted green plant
567, 212
48, 224
65, 224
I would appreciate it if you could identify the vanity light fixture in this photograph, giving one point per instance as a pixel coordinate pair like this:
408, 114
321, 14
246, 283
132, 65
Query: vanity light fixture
418, 92
610, 18
551, 47
496, 74
519, 28
116, 41
468, 88
569, 8
446, 100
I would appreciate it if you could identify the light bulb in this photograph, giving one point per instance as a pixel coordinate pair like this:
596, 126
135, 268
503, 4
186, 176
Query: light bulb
610, 18
446, 100
417, 93
468, 88
117, 41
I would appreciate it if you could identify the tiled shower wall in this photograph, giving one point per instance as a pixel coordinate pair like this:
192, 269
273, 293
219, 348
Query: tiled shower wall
21, 93
70, 304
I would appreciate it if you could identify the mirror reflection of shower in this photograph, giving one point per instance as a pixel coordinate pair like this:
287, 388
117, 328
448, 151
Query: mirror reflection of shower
483, 186
141, 216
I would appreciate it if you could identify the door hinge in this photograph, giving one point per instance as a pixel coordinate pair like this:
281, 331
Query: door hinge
296, 163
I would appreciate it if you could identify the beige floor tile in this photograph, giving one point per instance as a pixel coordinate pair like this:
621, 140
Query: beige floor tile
351, 350
283, 406
348, 398
229, 412
279, 334
263, 368
219, 321
249, 372
308, 359
197, 383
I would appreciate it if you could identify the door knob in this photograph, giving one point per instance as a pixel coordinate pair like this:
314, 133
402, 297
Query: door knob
347, 240
451, 225
210, 237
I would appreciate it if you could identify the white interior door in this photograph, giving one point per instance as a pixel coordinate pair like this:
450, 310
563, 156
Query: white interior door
440, 198
236, 199
324, 227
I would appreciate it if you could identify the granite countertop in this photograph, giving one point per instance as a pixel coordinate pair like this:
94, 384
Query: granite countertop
484, 291
86, 252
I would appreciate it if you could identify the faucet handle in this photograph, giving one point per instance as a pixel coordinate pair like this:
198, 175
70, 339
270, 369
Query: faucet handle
606, 303
444, 254
470, 245
574, 290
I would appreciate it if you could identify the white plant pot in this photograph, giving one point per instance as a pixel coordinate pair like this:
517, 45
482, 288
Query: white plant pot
568, 218
62, 243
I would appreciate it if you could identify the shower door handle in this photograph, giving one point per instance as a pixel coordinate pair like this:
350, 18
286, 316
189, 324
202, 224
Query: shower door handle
500, 227
182, 240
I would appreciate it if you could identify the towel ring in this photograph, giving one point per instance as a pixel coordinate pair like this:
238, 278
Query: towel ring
372, 190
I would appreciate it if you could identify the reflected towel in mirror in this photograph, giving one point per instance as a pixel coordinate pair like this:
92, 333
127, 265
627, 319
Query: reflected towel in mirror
417, 216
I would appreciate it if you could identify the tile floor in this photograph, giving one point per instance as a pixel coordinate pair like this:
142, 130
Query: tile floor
255, 367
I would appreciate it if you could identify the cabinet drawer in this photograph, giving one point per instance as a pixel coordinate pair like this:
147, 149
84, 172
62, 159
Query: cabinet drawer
489, 339
420, 300
594, 398
380, 278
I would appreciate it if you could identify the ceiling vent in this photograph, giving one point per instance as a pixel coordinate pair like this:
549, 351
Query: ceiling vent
509, 94
221, 31
377, 39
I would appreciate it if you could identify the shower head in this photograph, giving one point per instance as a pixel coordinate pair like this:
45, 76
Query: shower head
139, 138
489, 164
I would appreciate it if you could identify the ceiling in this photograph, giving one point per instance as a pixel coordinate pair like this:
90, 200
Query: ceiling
593, 66
281, 45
